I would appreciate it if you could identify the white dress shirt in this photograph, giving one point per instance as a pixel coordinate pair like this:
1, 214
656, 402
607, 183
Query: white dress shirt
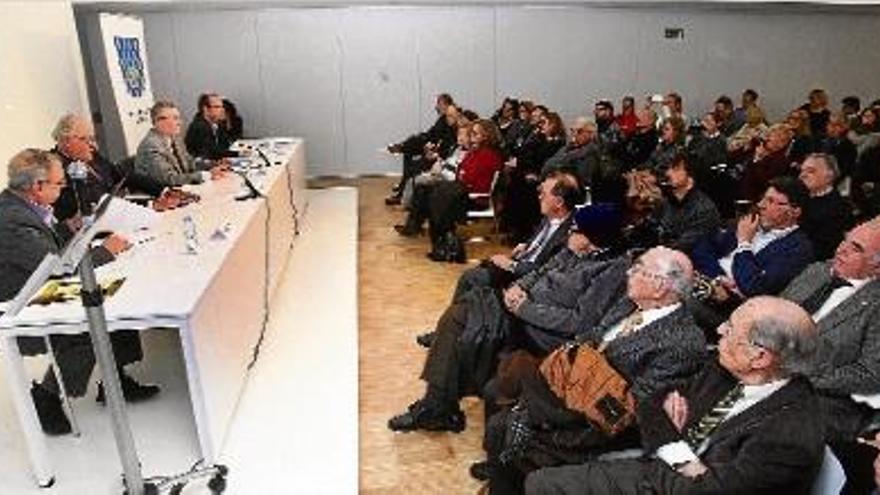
675, 453
648, 316
762, 239
837, 297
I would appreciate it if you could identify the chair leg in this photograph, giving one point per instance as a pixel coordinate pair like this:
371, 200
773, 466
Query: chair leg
65, 400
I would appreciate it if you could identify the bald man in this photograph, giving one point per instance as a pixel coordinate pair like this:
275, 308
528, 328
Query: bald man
749, 423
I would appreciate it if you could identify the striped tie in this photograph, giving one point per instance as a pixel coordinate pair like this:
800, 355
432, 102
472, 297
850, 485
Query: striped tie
698, 433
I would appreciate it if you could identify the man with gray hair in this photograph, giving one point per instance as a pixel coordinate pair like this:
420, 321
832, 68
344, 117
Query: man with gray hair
748, 423
582, 155
29, 231
826, 215
648, 337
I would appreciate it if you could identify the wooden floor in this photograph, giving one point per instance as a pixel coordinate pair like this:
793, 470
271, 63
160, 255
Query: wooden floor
402, 293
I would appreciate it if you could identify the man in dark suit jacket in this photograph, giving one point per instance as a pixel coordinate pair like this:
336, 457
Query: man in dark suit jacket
843, 296
206, 135
648, 337
749, 424
826, 214
28, 231
471, 332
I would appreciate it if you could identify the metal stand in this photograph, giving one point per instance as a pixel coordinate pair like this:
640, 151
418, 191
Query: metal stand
93, 299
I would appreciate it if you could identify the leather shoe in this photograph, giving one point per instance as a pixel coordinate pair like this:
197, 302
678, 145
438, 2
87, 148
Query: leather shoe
131, 390
49, 410
481, 470
392, 200
420, 416
426, 339
406, 231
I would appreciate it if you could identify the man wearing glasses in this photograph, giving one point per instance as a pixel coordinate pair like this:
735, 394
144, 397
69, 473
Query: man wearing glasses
29, 231
206, 136
761, 256
748, 423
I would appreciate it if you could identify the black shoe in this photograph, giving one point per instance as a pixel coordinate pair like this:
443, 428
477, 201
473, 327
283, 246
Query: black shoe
406, 231
392, 200
49, 410
421, 417
481, 470
131, 390
426, 339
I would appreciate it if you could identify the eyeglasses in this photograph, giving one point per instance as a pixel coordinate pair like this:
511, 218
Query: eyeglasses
639, 269
61, 183
770, 200
725, 330
88, 139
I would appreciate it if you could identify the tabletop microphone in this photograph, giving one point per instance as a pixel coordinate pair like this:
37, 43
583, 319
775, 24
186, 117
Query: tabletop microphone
253, 192
78, 171
263, 156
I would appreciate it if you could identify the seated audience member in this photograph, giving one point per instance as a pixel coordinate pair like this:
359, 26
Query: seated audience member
802, 142
162, 157
748, 100
606, 124
850, 107
448, 201
559, 194
569, 292
843, 297
506, 116
743, 142
761, 256
836, 143
769, 160
672, 134
639, 147
520, 129
29, 231
748, 424
233, 123
75, 141
648, 337
206, 135
817, 112
413, 146
627, 119
726, 121
519, 212
707, 153
686, 214
442, 169
826, 214
866, 132
673, 106
581, 155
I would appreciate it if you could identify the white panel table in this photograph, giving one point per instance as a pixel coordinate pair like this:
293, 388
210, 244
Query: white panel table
216, 298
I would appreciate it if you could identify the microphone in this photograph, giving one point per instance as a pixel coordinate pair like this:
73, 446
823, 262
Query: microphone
78, 171
263, 156
253, 192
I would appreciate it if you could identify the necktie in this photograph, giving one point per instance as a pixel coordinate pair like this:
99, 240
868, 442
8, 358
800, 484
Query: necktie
818, 298
537, 244
178, 165
699, 432
628, 324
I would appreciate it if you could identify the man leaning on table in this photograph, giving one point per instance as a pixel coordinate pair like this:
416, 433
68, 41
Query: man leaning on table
162, 156
28, 231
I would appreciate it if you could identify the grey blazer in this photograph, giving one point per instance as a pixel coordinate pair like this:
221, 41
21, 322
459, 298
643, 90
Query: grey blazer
155, 159
849, 357
24, 242
569, 294
656, 357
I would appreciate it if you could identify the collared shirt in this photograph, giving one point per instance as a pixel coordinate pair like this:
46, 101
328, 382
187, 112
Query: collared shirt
762, 239
838, 296
648, 316
534, 248
675, 453
45, 212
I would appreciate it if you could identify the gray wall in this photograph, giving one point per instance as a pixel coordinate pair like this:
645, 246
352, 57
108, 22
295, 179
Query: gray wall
352, 79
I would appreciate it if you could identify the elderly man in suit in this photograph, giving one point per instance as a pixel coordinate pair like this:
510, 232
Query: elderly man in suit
747, 424
29, 231
162, 157
827, 215
549, 305
648, 337
843, 296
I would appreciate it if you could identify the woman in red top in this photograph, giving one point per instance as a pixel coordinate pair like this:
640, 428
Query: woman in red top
448, 202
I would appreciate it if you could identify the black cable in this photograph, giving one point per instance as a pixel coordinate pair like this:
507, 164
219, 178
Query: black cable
264, 325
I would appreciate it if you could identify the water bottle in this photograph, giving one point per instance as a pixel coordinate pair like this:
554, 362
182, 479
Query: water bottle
190, 235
